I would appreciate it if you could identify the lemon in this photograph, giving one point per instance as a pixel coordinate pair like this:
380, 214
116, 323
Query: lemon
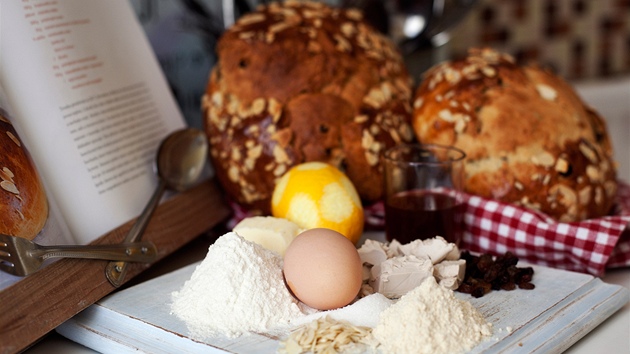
317, 194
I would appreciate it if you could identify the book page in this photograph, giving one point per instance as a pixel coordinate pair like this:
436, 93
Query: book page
92, 102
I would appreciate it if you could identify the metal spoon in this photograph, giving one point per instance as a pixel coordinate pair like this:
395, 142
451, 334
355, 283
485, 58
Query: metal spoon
180, 161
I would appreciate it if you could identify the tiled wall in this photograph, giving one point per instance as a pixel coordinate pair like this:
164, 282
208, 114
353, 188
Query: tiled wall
578, 38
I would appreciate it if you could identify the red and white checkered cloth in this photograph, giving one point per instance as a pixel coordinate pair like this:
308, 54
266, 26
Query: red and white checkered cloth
589, 246
584, 246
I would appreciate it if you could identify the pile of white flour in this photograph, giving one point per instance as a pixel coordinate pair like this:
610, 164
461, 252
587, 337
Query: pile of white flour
237, 288
430, 319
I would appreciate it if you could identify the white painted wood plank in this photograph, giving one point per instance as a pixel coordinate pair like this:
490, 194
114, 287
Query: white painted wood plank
563, 308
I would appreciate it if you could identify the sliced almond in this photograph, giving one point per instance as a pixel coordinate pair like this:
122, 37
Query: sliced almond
246, 35
588, 152
255, 152
279, 27
599, 195
546, 92
9, 187
258, 106
446, 115
251, 18
342, 44
14, 139
562, 165
361, 118
585, 195
233, 173
367, 139
8, 173
280, 155
417, 104
348, 29
275, 109
236, 155
544, 159
372, 158
489, 71
564, 195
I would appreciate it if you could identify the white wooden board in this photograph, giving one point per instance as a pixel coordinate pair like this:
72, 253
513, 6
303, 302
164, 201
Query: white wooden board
562, 309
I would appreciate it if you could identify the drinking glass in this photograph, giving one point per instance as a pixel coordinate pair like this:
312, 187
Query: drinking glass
423, 192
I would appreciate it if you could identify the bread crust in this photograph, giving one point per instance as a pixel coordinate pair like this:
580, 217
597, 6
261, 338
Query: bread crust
298, 82
23, 203
529, 138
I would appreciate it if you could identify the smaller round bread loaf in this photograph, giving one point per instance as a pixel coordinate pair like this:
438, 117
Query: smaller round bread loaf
302, 81
23, 203
528, 137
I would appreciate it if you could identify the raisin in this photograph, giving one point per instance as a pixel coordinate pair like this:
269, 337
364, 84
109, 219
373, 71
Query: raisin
485, 273
527, 274
508, 286
526, 286
478, 292
465, 288
485, 261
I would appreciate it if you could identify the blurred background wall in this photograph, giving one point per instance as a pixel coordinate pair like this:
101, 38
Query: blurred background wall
184, 51
579, 39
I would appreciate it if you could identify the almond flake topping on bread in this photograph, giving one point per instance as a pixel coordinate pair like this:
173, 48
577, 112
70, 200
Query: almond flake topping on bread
9, 187
14, 139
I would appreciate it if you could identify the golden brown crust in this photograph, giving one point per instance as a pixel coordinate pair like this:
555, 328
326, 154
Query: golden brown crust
298, 82
23, 203
528, 137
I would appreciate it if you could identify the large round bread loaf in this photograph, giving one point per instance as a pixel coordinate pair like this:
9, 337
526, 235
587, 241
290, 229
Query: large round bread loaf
297, 82
23, 204
528, 137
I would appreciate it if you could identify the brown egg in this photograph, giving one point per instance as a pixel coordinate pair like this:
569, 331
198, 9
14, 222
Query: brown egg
323, 269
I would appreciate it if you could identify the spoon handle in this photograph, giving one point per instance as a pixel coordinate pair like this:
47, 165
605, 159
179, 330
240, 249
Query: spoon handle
116, 271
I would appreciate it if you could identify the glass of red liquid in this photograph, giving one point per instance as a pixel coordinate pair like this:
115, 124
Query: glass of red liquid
423, 192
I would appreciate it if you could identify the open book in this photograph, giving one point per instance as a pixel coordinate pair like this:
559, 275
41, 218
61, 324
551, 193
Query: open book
87, 98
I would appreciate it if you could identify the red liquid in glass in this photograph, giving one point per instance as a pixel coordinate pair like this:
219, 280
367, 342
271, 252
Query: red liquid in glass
412, 215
